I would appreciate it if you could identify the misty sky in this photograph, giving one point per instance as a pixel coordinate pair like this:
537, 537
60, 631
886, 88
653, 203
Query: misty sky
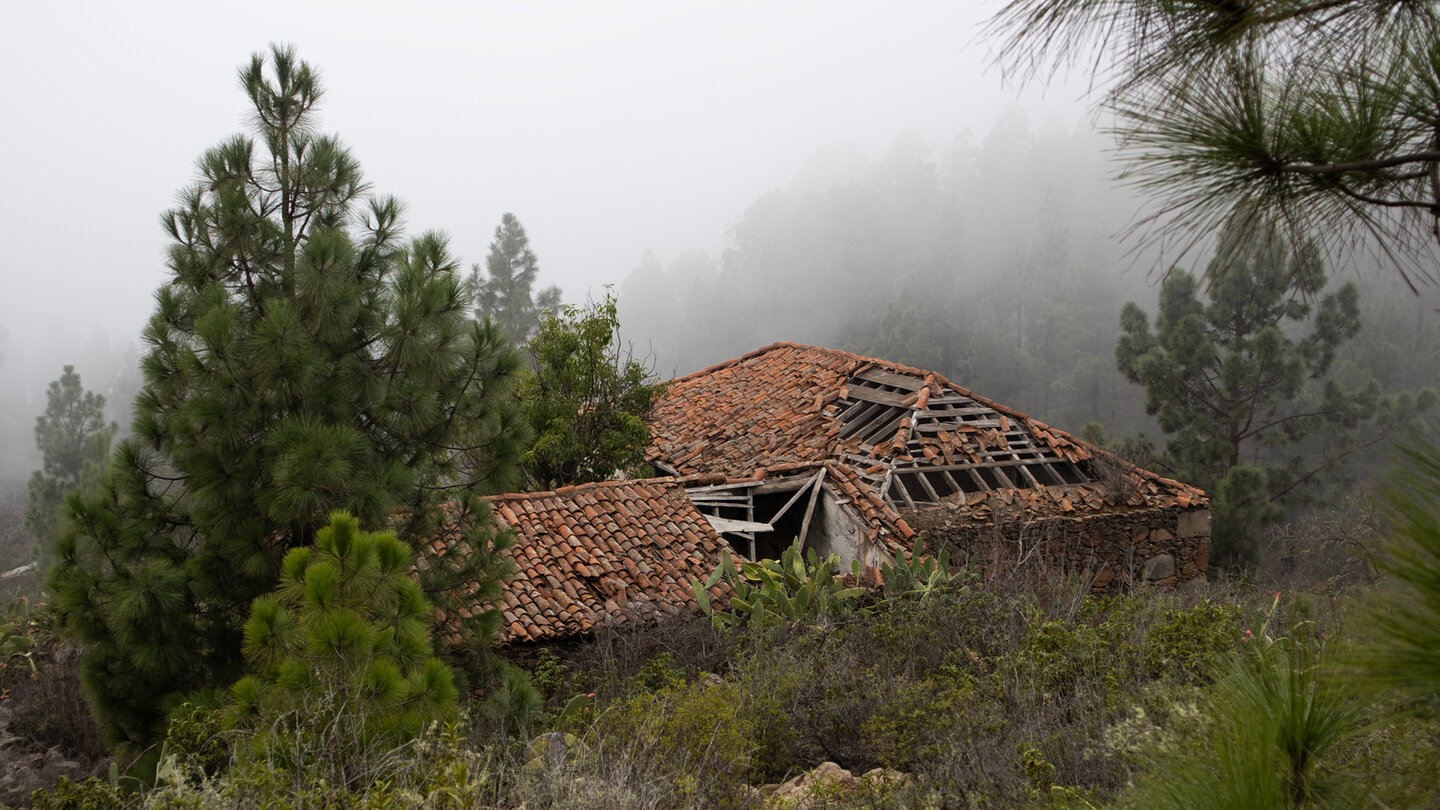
608, 128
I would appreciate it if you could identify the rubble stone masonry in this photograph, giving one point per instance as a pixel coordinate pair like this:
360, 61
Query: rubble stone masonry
1116, 550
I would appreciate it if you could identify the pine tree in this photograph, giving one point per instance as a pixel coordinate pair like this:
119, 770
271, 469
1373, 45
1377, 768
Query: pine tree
1319, 116
343, 671
302, 358
504, 295
74, 440
1240, 381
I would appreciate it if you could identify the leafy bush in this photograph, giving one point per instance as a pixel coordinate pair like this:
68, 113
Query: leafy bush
91, 794
660, 672
40, 683
710, 728
1191, 644
21, 634
549, 675
513, 705
915, 724
198, 739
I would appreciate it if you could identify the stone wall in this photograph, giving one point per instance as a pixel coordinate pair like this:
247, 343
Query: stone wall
1117, 549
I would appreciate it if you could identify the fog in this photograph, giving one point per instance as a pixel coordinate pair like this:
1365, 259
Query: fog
719, 164
609, 129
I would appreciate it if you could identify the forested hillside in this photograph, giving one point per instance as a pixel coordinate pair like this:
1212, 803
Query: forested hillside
994, 261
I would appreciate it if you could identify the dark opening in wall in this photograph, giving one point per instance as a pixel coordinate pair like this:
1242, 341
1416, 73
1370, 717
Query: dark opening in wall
744, 511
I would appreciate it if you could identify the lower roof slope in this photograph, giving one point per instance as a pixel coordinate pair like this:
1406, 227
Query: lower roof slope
598, 553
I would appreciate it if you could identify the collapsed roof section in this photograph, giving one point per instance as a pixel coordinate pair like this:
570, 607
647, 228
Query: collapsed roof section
914, 438
826, 506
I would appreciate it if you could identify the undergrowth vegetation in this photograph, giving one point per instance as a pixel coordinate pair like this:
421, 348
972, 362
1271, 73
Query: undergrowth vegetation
1028, 693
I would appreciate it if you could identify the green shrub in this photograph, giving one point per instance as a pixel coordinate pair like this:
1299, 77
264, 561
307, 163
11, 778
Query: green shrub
659, 673
440, 769
916, 723
198, 739
91, 794
711, 728
1191, 644
23, 633
513, 706
549, 675
1275, 717
40, 683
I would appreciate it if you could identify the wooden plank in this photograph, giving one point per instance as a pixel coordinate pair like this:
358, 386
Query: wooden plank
929, 424
750, 516
853, 424
788, 483
904, 492
859, 464
729, 525
952, 413
890, 398
716, 499
810, 507
721, 509
925, 485
853, 411
902, 381
955, 399
1042, 468
814, 482
978, 479
950, 479
969, 465
721, 487
881, 430
1077, 471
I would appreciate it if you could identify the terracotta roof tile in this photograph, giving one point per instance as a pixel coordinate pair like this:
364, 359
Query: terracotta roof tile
586, 557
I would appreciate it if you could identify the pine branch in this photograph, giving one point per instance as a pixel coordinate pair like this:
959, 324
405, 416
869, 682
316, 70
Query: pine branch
1428, 156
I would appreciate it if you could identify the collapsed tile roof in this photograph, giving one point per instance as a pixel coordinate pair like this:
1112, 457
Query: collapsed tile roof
886, 437
597, 554
913, 436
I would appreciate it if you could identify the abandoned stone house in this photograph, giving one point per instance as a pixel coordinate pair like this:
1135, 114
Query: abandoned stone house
854, 456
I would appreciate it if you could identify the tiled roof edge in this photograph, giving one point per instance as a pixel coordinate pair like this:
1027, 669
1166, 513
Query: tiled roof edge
569, 491
783, 344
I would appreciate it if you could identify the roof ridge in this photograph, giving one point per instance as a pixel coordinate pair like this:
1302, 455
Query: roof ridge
782, 344
922, 373
568, 491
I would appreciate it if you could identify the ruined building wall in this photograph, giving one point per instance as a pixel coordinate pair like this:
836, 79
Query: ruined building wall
1118, 549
